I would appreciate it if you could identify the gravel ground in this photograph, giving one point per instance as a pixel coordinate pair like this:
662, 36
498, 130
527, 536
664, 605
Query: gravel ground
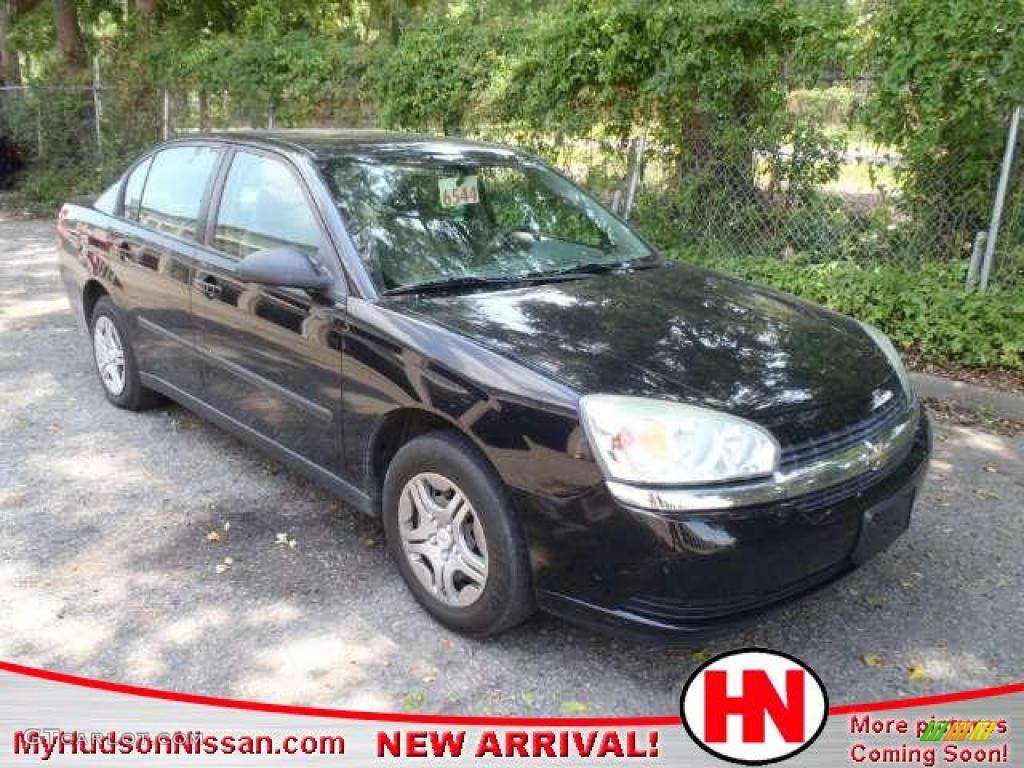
107, 568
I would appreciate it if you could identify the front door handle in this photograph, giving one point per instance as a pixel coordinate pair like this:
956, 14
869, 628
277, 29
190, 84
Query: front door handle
208, 286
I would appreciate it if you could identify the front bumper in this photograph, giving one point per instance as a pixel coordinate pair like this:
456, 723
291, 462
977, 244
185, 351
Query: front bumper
685, 575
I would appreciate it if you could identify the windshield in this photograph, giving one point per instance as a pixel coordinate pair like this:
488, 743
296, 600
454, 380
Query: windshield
456, 220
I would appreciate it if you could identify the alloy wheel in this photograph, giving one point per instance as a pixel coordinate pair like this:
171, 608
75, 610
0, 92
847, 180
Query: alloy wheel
109, 351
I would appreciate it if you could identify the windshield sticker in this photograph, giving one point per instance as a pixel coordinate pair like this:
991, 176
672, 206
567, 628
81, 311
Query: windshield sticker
458, 190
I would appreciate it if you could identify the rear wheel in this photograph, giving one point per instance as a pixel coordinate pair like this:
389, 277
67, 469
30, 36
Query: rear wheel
115, 360
453, 534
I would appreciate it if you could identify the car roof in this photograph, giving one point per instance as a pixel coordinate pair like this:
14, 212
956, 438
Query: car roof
369, 144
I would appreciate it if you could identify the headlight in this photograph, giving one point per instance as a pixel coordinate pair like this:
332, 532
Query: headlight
638, 440
889, 350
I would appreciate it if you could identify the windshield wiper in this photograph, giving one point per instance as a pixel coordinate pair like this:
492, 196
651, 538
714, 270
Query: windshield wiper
453, 284
476, 281
601, 267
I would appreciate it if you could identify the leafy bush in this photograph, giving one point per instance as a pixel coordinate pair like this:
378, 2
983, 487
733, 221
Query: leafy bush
924, 308
823, 105
948, 74
43, 188
439, 73
292, 74
12, 158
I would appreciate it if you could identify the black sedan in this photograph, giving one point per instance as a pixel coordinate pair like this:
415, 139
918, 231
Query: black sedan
543, 411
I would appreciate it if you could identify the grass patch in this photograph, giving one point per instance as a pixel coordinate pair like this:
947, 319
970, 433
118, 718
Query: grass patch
922, 306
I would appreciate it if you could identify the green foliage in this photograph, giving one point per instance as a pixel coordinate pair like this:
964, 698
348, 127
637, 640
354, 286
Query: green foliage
949, 72
684, 66
42, 190
924, 308
438, 74
293, 73
822, 105
811, 159
742, 138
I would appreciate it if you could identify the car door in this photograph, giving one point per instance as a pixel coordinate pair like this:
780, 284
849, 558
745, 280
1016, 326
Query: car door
154, 243
271, 356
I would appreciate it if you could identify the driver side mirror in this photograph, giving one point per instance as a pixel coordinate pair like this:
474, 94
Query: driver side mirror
284, 267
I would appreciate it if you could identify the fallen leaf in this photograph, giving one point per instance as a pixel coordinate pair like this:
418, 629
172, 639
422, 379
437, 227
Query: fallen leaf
371, 542
573, 707
12, 499
229, 561
917, 674
413, 701
527, 698
213, 537
871, 660
991, 468
874, 601
221, 567
281, 538
982, 493
701, 655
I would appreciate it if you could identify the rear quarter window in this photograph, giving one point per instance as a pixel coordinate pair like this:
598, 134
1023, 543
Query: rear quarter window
107, 202
133, 189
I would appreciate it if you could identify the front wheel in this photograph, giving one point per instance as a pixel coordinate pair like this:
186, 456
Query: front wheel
453, 533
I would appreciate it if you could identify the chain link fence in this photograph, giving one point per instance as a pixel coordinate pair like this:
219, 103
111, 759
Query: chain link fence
838, 196
851, 200
56, 123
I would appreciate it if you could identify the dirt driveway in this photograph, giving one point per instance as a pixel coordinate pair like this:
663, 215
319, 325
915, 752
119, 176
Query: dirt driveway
107, 567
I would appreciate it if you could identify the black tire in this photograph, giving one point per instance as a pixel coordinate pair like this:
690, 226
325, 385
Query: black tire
507, 597
134, 396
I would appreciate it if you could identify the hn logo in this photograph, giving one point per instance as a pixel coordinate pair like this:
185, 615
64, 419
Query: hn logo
754, 706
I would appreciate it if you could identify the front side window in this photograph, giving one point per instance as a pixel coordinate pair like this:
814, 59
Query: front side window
425, 221
173, 195
263, 206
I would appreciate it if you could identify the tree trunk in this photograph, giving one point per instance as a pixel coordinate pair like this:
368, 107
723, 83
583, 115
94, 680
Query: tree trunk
394, 27
147, 8
204, 112
69, 35
697, 147
10, 70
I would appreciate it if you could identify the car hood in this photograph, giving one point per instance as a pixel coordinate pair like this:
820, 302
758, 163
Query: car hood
686, 334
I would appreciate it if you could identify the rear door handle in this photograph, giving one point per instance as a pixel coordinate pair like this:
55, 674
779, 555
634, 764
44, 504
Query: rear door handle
208, 286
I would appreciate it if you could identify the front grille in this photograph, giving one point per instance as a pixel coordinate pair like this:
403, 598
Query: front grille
809, 451
828, 498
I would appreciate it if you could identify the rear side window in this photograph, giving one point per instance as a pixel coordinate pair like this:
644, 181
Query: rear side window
263, 206
133, 189
174, 190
